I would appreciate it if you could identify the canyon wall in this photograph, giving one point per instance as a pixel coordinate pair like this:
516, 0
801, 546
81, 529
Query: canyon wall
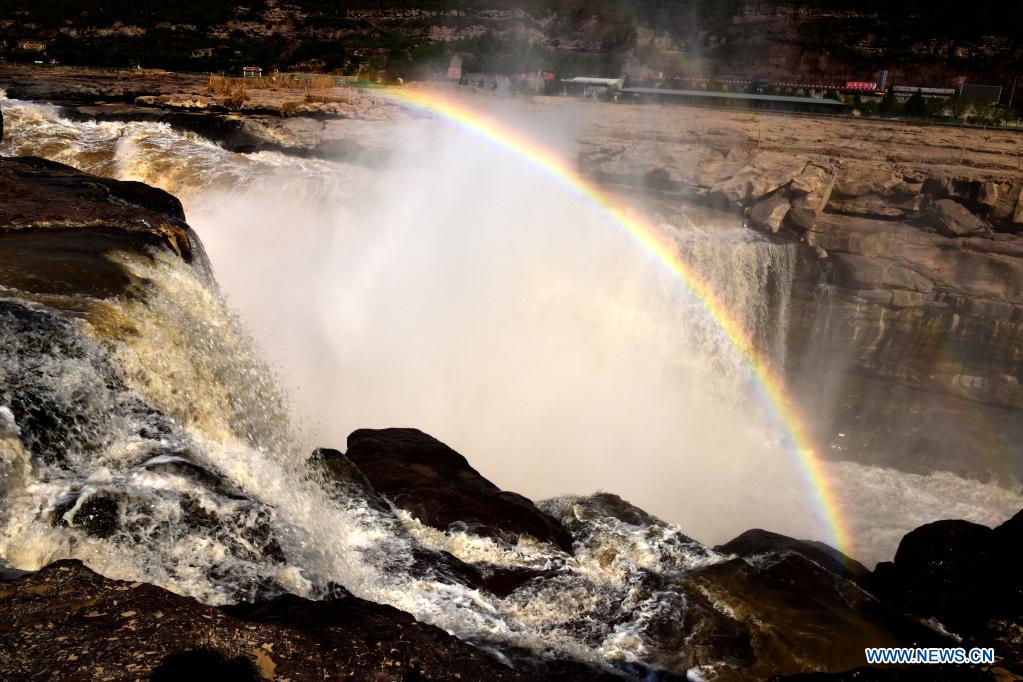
905, 338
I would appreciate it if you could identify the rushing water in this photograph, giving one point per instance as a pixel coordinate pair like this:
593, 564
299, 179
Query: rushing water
453, 289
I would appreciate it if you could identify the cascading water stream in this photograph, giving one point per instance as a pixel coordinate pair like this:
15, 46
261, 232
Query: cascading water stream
539, 341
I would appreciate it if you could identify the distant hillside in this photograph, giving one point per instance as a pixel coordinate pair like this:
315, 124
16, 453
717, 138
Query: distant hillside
927, 42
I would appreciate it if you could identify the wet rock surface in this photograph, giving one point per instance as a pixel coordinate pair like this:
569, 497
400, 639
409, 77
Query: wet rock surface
436, 485
781, 606
761, 543
287, 120
910, 293
67, 622
907, 309
966, 576
56, 224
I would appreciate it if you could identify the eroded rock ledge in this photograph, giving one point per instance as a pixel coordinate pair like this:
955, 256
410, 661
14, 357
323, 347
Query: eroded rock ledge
913, 348
57, 223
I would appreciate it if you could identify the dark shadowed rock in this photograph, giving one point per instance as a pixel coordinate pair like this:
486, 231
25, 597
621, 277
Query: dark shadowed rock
344, 479
435, 484
205, 664
99, 516
1009, 537
959, 572
802, 616
965, 575
67, 622
57, 224
757, 542
40, 194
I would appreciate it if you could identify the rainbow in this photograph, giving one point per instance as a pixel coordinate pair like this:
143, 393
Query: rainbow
769, 384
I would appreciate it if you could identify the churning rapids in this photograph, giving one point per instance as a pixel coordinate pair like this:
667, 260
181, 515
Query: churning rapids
425, 280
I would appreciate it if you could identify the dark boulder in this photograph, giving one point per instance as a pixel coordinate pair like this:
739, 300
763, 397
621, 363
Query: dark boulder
57, 225
966, 576
800, 616
959, 572
436, 485
99, 516
41, 195
205, 664
757, 542
343, 479
67, 622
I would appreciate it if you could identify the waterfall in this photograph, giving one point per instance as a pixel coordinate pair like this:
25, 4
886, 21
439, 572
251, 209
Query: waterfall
161, 438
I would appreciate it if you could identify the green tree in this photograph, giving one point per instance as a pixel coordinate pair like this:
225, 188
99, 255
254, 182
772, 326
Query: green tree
833, 94
983, 109
959, 105
916, 106
869, 108
889, 105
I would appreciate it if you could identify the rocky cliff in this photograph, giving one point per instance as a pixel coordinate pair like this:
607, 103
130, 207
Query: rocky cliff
906, 334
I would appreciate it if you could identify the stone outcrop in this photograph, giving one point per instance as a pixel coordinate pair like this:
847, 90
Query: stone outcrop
777, 605
963, 574
769, 215
286, 120
57, 224
37, 195
955, 220
761, 543
66, 622
436, 485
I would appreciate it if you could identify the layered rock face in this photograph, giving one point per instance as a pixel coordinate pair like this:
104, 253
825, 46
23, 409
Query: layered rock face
906, 330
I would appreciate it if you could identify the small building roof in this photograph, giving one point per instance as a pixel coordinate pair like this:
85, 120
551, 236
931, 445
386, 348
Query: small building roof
747, 96
590, 80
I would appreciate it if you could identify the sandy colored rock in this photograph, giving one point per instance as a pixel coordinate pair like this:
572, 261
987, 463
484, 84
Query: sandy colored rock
811, 180
955, 220
769, 214
763, 175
